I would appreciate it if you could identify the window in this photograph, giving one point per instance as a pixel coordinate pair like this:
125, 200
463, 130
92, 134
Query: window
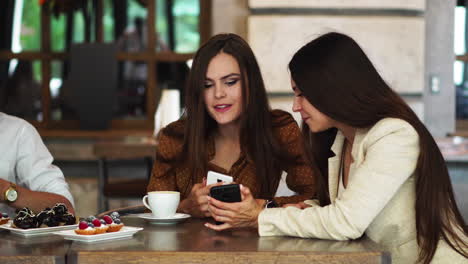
153, 40
459, 70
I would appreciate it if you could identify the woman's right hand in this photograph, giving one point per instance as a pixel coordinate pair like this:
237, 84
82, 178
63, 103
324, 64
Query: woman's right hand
196, 204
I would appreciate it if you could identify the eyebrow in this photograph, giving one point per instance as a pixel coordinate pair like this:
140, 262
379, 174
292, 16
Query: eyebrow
226, 76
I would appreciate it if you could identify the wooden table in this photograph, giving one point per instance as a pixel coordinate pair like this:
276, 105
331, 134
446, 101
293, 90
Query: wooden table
32, 250
191, 242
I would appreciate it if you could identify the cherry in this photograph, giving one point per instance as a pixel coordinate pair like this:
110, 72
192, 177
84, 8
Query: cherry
108, 219
96, 222
83, 225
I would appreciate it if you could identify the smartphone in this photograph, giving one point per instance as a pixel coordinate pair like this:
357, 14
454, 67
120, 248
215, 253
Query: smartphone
229, 193
214, 177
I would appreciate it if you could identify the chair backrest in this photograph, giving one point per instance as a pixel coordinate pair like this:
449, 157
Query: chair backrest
93, 83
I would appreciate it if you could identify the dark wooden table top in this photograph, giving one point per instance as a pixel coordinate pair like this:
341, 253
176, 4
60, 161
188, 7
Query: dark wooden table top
191, 242
187, 242
40, 249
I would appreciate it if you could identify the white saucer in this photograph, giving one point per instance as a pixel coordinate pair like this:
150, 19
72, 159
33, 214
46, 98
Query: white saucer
171, 220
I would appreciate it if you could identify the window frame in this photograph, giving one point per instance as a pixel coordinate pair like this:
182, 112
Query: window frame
118, 127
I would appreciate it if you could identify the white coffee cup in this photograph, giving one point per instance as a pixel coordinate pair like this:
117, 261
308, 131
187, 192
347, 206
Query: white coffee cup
163, 204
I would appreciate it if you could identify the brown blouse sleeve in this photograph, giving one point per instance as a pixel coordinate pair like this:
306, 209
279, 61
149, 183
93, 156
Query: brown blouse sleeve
300, 174
169, 146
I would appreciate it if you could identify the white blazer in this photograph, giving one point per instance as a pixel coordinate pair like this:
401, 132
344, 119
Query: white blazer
379, 199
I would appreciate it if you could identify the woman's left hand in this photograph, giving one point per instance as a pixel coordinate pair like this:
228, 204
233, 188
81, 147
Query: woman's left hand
233, 215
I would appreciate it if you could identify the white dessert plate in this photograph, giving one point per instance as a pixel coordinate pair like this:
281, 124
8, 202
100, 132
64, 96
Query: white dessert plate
36, 231
125, 232
171, 220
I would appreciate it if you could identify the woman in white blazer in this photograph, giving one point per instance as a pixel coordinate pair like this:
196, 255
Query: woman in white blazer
382, 172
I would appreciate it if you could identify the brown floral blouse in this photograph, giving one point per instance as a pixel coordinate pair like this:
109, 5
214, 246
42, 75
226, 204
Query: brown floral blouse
169, 177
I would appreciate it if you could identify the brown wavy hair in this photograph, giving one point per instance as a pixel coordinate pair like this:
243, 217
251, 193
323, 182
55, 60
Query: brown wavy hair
336, 76
256, 125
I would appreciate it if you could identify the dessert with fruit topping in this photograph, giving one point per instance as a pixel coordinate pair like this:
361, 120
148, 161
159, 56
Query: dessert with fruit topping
85, 228
57, 216
99, 226
4, 218
93, 226
113, 222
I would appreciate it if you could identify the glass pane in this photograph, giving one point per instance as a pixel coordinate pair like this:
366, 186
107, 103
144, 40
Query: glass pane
23, 90
108, 21
134, 34
459, 33
27, 27
58, 29
461, 91
79, 28
187, 37
458, 70
162, 28
60, 103
135, 9
131, 94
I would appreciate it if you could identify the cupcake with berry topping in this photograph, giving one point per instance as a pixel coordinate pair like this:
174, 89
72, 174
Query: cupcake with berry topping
113, 222
99, 226
4, 218
85, 228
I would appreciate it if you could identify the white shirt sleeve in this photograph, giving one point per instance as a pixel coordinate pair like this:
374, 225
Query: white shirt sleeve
34, 169
390, 159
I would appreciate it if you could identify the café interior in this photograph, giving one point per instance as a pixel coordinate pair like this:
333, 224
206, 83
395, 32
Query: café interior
99, 78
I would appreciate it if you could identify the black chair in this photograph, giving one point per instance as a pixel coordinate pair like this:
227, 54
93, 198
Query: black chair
121, 188
92, 84
129, 187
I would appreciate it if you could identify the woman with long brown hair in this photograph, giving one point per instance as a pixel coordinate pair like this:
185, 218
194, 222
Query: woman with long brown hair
228, 127
381, 171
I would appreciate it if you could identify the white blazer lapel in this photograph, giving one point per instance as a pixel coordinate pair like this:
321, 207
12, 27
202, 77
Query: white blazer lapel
334, 166
357, 152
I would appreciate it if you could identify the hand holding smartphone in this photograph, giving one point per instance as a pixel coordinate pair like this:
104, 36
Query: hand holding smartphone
229, 193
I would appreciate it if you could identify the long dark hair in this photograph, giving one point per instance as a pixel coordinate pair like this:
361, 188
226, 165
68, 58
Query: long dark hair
256, 133
336, 76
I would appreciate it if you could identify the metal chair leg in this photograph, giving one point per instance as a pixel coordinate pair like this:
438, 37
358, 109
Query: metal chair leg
103, 203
